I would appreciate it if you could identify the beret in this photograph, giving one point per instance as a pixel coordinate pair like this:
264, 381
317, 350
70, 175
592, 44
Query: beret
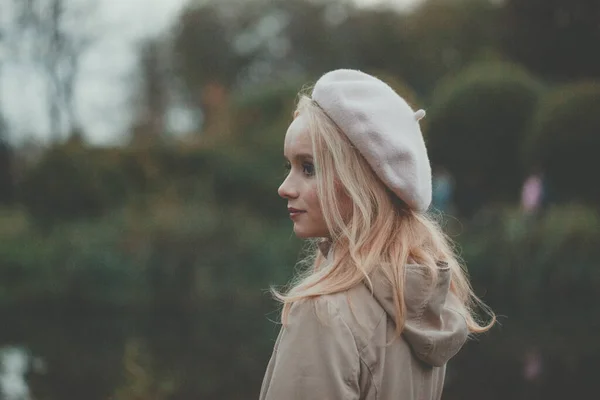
383, 128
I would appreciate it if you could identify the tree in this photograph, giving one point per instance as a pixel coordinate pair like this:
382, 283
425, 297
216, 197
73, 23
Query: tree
564, 141
476, 125
55, 35
556, 38
6, 177
153, 93
6, 170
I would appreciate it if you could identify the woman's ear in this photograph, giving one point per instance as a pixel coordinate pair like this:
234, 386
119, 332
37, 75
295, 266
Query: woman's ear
296, 113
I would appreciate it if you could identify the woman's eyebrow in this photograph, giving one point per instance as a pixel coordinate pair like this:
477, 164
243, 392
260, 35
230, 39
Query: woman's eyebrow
300, 156
304, 156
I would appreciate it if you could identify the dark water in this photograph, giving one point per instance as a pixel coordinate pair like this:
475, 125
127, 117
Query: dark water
100, 355
83, 354
162, 355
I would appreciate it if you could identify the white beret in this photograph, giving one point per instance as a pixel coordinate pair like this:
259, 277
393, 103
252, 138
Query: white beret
384, 129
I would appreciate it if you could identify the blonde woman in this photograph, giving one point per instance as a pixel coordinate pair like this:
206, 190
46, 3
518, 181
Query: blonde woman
384, 303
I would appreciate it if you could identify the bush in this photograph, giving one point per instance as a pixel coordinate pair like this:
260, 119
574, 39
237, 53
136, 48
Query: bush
172, 253
565, 139
79, 265
540, 273
69, 184
476, 124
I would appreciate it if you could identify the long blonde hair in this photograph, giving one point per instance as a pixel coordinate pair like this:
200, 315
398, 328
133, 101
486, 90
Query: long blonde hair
381, 231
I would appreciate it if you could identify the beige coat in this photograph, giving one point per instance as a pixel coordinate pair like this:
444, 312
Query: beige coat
335, 347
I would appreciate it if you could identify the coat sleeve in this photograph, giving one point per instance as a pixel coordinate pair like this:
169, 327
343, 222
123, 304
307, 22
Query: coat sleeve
315, 356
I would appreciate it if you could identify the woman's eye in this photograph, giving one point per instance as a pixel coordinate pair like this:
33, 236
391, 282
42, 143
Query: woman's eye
308, 169
287, 167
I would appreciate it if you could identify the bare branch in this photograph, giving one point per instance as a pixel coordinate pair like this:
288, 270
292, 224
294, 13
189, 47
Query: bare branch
55, 35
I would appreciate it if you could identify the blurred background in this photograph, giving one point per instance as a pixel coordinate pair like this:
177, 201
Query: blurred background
141, 150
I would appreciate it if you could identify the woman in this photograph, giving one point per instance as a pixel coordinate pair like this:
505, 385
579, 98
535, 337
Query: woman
384, 304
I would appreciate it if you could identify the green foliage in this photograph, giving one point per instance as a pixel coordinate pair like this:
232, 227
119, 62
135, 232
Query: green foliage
565, 139
476, 124
379, 43
171, 253
79, 264
442, 37
6, 170
263, 108
71, 185
68, 184
540, 273
141, 380
554, 38
203, 47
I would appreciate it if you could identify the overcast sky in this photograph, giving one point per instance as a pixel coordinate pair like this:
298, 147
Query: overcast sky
104, 90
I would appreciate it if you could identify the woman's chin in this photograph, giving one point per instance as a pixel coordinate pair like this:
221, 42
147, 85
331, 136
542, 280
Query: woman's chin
300, 233
303, 233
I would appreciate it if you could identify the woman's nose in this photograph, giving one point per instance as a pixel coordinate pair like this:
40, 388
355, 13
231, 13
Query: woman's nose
286, 190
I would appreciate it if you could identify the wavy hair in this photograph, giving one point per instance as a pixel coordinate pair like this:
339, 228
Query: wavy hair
380, 232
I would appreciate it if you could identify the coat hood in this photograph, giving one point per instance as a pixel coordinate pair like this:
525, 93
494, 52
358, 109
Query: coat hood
435, 326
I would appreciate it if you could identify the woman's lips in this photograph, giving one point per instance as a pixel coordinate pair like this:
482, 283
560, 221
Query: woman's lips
295, 212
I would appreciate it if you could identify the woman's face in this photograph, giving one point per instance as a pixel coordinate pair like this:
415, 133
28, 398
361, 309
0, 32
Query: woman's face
300, 184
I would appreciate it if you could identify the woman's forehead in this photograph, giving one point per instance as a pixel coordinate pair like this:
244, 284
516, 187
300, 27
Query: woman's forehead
297, 139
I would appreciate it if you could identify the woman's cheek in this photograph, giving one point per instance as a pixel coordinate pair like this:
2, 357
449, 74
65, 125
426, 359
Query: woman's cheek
313, 197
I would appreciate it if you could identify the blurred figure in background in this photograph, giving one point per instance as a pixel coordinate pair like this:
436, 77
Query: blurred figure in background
443, 189
532, 372
532, 194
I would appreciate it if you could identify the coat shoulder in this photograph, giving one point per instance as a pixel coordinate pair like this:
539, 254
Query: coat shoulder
360, 311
